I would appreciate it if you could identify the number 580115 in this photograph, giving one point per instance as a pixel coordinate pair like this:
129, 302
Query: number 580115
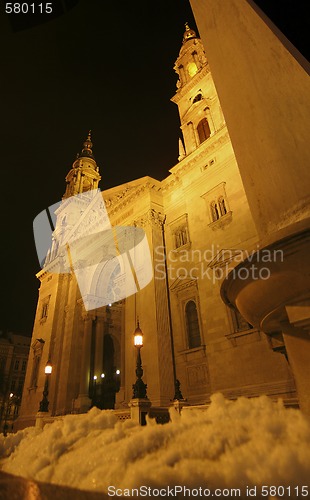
25, 8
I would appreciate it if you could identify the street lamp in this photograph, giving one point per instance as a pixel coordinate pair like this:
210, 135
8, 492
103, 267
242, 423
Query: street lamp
101, 389
44, 403
7, 414
117, 380
94, 399
139, 388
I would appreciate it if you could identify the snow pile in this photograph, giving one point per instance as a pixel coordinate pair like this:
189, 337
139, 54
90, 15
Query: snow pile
233, 444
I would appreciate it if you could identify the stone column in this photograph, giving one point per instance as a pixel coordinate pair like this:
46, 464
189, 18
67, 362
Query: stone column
83, 400
296, 336
192, 136
99, 347
77, 182
210, 120
81, 183
263, 88
182, 75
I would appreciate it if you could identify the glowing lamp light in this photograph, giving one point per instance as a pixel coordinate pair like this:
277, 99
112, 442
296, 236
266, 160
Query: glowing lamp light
45, 402
138, 339
11, 394
48, 368
138, 336
102, 375
139, 388
118, 372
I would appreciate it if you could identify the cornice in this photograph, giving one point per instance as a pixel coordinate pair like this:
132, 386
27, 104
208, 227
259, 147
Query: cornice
181, 284
189, 162
127, 196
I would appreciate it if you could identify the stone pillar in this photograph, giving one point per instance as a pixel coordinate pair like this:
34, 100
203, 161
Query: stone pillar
297, 342
40, 416
77, 182
81, 184
182, 75
210, 120
83, 400
178, 404
99, 347
139, 408
192, 137
263, 88
298, 353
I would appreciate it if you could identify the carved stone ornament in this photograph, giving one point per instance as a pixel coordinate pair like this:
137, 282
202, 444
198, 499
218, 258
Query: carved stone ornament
152, 218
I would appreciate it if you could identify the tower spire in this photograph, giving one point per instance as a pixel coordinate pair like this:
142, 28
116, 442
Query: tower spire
188, 33
87, 148
84, 174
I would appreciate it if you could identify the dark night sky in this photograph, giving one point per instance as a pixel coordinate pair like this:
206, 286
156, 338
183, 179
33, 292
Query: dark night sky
105, 66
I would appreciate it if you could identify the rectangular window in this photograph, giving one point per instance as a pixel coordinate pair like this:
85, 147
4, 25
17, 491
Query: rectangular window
16, 364
35, 370
180, 232
44, 310
24, 365
217, 205
192, 325
20, 386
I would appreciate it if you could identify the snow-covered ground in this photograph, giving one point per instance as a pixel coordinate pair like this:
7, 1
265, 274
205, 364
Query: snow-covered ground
233, 444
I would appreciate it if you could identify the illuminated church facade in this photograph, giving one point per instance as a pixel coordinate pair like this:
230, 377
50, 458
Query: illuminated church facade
198, 226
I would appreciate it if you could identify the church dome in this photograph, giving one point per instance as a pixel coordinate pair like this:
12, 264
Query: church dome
188, 33
87, 151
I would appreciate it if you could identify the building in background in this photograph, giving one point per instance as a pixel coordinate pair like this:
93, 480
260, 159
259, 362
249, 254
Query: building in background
14, 351
199, 226
269, 81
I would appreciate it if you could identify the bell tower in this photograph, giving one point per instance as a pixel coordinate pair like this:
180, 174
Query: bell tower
83, 177
84, 174
196, 97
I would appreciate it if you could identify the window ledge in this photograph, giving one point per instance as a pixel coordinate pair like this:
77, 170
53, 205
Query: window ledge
33, 388
222, 221
241, 333
193, 349
183, 247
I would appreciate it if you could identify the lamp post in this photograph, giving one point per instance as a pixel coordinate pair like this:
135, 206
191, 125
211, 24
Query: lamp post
101, 391
117, 380
44, 403
139, 388
94, 398
7, 414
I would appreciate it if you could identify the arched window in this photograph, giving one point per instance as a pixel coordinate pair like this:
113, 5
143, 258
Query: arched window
197, 98
192, 325
203, 130
222, 206
214, 211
